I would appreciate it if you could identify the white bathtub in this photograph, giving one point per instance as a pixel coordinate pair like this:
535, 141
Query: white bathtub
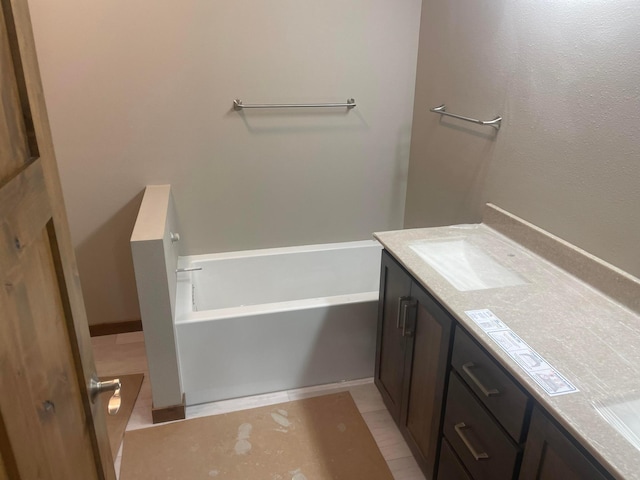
276, 319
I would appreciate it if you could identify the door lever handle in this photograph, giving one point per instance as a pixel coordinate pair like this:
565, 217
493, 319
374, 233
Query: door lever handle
115, 401
96, 387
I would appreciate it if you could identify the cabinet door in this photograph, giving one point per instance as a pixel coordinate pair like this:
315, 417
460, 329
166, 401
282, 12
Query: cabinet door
551, 455
395, 287
426, 364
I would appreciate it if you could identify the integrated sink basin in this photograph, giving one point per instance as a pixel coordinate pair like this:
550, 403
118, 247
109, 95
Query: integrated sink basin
464, 265
623, 415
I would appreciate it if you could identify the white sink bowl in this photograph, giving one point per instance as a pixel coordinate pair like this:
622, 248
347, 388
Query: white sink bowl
466, 266
624, 416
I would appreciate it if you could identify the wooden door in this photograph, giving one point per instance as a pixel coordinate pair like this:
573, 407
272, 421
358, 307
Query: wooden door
49, 429
426, 366
395, 286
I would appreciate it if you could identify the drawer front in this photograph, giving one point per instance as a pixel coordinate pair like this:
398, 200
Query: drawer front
485, 449
495, 389
449, 466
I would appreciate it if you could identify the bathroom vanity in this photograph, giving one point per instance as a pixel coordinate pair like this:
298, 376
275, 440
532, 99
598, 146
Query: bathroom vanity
506, 353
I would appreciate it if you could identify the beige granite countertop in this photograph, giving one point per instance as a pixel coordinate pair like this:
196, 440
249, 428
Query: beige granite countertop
579, 313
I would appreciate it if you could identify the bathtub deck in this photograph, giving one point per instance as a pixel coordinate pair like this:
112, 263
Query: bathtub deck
124, 353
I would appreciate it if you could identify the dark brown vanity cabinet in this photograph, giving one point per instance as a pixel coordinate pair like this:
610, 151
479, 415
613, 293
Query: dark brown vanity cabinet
485, 430
412, 356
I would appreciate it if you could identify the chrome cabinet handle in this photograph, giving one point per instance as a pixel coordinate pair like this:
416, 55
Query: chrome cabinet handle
97, 387
401, 301
405, 309
488, 392
460, 428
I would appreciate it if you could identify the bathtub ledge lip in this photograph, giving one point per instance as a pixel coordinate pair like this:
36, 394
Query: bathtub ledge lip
188, 260
186, 318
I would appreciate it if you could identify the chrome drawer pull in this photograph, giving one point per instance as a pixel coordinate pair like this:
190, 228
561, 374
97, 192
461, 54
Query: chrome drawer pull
488, 392
459, 428
401, 301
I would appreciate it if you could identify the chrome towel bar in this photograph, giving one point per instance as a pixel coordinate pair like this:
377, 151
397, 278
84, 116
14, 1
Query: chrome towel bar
238, 105
495, 123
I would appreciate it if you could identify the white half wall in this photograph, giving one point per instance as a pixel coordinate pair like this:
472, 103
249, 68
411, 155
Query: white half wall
564, 75
141, 92
155, 257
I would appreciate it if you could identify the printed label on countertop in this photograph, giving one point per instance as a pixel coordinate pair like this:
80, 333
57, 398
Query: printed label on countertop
529, 360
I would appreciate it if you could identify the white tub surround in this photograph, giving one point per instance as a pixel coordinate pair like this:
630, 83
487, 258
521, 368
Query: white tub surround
579, 313
155, 259
276, 319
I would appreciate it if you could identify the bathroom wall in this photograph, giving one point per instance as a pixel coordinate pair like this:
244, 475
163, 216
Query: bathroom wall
141, 92
564, 75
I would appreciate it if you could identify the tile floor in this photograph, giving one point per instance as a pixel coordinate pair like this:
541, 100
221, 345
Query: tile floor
123, 354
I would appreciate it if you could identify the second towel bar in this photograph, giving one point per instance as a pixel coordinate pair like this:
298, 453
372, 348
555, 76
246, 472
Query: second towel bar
238, 105
495, 123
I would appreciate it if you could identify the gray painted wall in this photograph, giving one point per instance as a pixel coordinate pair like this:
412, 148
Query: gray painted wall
140, 92
564, 75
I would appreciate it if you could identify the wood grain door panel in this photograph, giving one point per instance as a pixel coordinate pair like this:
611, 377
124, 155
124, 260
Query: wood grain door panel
37, 376
15, 150
49, 428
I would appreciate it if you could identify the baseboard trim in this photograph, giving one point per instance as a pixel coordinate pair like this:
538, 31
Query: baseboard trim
169, 414
115, 328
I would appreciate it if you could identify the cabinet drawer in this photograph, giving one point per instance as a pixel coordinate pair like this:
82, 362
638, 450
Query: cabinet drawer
485, 449
449, 466
495, 389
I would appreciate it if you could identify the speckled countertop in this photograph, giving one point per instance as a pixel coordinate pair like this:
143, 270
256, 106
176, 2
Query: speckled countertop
581, 314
